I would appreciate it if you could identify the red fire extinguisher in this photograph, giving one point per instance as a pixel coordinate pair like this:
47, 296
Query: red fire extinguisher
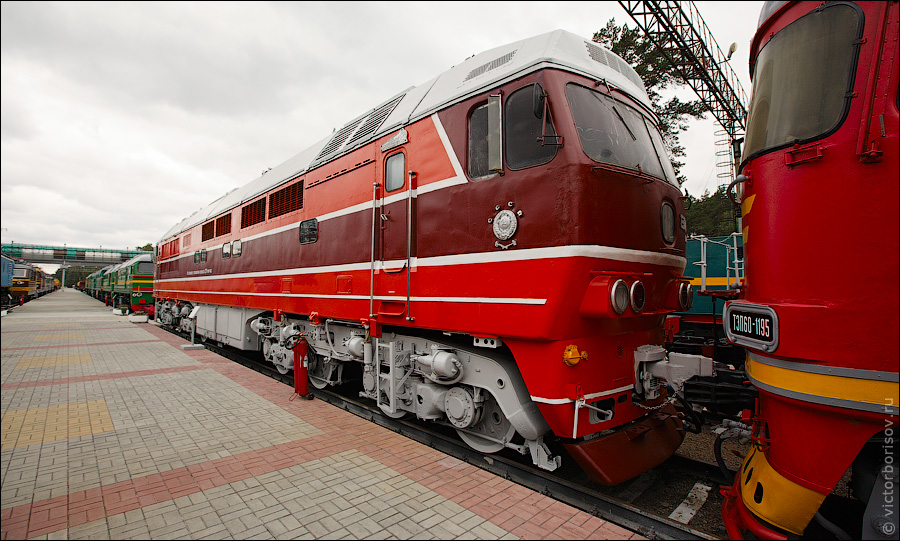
301, 372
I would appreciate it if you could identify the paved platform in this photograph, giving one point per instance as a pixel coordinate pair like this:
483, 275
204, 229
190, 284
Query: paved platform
111, 431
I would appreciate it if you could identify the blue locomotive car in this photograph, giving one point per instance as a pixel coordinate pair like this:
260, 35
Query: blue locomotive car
6, 282
715, 266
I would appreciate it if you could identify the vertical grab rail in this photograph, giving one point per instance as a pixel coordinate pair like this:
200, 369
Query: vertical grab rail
372, 259
409, 223
738, 261
702, 262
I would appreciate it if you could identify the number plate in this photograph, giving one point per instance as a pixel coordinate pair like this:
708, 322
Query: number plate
751, 325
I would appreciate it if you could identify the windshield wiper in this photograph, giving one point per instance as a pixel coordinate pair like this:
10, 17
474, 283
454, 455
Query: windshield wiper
618, 114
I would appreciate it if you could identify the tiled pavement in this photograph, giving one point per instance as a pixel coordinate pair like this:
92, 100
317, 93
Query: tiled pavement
111, 431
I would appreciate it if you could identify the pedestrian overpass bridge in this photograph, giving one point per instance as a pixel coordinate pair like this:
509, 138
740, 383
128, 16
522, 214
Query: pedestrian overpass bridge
67, 255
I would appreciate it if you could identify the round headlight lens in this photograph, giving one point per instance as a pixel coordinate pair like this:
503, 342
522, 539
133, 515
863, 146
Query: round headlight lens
686, 295
668, 223
638, 295
619, 296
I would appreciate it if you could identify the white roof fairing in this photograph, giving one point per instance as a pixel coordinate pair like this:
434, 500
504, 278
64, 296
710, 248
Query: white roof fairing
558, 49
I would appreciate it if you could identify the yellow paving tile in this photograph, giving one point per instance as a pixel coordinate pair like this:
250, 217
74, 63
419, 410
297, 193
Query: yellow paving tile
54, 423
54, 360
57, 337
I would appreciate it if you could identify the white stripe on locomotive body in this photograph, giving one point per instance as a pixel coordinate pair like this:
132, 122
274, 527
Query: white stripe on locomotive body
460, 177
558, 50
530, 254
559, 401
470, 300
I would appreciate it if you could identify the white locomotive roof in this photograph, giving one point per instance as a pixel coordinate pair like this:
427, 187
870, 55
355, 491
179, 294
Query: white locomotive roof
560, 49
140, 257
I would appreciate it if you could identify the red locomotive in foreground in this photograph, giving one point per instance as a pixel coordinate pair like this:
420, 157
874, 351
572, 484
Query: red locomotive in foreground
820, 178
496, 250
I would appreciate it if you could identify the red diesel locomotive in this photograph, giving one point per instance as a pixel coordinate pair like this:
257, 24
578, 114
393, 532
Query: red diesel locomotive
820, 178
496, 250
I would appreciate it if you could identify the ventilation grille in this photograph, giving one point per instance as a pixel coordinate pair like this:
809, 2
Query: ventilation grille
286, 200
609, 59
209, 230
374, 120
349, 134
338, 140
253, 213
223, 225
493, 64
186, 241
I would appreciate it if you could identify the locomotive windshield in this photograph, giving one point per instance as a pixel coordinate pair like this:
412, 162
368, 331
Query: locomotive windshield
617, 134
803, 78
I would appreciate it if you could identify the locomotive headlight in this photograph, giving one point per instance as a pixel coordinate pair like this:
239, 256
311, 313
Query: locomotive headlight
686, 295
618, 296
667, 221
638, 296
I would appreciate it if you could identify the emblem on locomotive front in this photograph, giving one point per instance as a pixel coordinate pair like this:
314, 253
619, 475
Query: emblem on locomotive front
505, 224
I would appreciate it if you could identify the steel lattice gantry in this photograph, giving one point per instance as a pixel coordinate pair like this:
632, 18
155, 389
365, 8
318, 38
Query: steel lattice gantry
680, 33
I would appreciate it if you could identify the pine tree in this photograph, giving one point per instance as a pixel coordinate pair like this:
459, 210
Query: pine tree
657, 73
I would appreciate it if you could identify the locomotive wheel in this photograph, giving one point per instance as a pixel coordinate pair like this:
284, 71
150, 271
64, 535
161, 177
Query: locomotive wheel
399, 415
493, 426
318, 376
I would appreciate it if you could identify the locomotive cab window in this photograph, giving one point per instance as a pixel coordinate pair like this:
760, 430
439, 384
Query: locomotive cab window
394, 171
226, 250
203, 256
530, 138
615, 133
197, 257
803, 79
309, 231
484, 156
236, 248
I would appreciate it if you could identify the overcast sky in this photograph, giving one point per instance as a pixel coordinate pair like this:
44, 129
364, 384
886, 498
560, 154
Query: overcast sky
121, 119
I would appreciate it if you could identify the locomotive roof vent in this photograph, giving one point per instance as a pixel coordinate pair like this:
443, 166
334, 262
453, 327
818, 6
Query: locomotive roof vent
349, 134
609, 59
374, 120
493, 64
338, 139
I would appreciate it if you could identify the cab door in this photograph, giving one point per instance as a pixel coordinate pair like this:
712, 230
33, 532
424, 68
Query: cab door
394, 231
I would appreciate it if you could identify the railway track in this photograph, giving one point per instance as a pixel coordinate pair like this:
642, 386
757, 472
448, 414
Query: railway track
635, 505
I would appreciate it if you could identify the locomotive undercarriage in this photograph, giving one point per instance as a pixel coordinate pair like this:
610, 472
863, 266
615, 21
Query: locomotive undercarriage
474, 388
478, 393
469, 384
